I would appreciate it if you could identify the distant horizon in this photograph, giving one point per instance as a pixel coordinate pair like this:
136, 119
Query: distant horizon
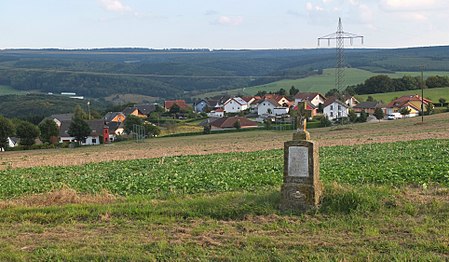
210, 49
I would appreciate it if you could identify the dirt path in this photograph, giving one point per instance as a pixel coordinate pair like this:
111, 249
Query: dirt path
436, 126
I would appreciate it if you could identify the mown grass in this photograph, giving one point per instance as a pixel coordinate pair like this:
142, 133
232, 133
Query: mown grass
353, 223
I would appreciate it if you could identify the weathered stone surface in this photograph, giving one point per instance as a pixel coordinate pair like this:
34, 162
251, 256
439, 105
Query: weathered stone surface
302, 187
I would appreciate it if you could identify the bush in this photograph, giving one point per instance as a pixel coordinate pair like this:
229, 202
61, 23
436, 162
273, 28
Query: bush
325, 121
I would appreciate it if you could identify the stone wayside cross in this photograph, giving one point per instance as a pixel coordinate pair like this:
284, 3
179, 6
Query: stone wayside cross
302, 187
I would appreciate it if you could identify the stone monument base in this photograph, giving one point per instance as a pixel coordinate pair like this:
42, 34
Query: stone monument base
302, 187
299, 196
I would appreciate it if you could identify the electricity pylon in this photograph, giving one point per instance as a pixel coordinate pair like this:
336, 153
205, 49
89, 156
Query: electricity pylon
340, 36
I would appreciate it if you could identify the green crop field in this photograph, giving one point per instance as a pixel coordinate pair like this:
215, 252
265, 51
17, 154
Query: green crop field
433, 94
381, 202
198, 174
320, 83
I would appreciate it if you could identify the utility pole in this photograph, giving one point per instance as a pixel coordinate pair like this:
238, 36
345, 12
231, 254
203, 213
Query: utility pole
88, 108
422, 94
340, 36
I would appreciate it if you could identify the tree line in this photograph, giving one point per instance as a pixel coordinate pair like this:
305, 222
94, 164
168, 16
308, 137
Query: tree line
384, 84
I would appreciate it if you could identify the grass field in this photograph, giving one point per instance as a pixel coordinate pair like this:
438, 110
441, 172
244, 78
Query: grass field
433, 94
320, 83
7, 90
224, 207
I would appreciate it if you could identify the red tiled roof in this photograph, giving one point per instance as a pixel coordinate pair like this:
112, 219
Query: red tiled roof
309, 106
401, 101
181, 103
229, 122
307, 96
331, 100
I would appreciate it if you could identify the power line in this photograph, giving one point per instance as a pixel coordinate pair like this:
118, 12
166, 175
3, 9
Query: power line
340, 36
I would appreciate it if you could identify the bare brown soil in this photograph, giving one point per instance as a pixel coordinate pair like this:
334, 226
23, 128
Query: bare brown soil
434, 127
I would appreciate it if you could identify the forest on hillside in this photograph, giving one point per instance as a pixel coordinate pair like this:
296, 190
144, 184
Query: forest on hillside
182, 73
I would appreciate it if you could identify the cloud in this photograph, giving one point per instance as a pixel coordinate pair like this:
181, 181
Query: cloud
115, 6
412, 5
229, 20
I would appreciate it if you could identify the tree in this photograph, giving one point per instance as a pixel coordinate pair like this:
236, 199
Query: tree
80, 113
6, 130
207, 128
151, 130
320, 108
352, 116
237, 124
79, 129
268, 123
430, 108
48, 130
363, 117
370, 99
324, 121
175, 109
27, 132
333, 92
130, 121
293, 91
404, 111
282, 92
442, 101
378, 113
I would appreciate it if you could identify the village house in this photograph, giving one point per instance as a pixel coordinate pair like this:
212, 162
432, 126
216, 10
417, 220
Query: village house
309, 107
98, 131
411, 102
270, 107
133, 111
216, 113
142, 110
350, 101
369, 107
58, 118
180, 103
201, 106
314, 98
335, 109
235, 105
117, 117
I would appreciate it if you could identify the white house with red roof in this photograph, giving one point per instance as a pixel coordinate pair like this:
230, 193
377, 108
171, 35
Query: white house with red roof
271, 107
235, 105
219, 112
314, 98
411, 102
334, 108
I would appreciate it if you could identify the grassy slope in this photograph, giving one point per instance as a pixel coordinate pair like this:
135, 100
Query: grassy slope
7, 90
362, 216
321, 83
433, 94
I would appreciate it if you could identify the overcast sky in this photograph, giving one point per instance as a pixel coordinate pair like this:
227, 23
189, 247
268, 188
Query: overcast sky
219, 23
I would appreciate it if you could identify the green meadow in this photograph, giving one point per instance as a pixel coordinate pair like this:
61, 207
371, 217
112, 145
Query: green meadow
320, 83
433, 94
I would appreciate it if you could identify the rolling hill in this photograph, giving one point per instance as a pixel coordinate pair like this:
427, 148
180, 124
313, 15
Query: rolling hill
182, 73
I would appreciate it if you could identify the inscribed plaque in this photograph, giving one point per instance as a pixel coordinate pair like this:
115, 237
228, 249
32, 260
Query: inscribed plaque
298, 161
